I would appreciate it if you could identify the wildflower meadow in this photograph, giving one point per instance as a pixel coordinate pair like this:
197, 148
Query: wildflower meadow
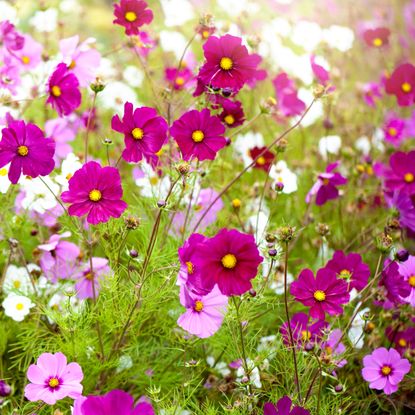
207, 207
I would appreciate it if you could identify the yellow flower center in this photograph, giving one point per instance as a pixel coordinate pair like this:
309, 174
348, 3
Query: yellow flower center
229, 261
190, 267
305, 335
198, 136
205, 34
226, 63
137, 133
95, 195
402, 342
22, 151
377, 42
409, 177
319, 295
198, 306
326, 182
369, 170
236, 203
53, 383
89, 276
17, 284
3, 172
411, 280
69, 176
19, 306
329, 350
345, 273
406, 87
386, 370
72, 65
26, 60
393, 131
261, 161
229, 119
179, 81
56, 91
154, 180
130, 16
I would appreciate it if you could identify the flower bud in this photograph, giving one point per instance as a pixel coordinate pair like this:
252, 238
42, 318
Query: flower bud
133, 253
402, 255
5, 389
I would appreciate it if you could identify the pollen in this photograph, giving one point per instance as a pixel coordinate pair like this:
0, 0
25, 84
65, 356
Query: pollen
411, 281
22, 151
153, 180
198, 306
179, 81
326, 182
377, 42
205, 34
409, 177
345, 273
26, 60
226, 63
198, 136
406, 87
3, 172
89, 276
236, 203
319, 295
130, 16
190, 268
402, 342
72, 65
393, 131
56, 91
53, 382
305, 335
229, 261
95, 195
386, 370
17, 284
137, 133
19, 306
229, 119
69, 176
261, 161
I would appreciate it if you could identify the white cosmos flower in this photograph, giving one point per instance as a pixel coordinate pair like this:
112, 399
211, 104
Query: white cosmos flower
4, 180
133, 76
356, 331
363, 145
115, 94
151, 185
339, 37
307, 34
37, 195
282, 174
315, 112
69, 166
177, 12
254, 373
330, 144
8, 12
171, 41
17, 279
17, 306
45, 21
245, 142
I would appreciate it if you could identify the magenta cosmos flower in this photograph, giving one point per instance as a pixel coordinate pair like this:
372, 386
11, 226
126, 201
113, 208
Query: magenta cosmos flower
402, 84
283, 407
132, 14
233, 114
9, 37
401, 174
63, 88
144, 133
89, 281
407, 270
394, 130
204, 314
377, 38
96, 191
53, 379
228, 63
287, 96
229, 259
27, 150
198, 135
178, 78
325, 188
114, 402
350, 268
384, 369
324, 294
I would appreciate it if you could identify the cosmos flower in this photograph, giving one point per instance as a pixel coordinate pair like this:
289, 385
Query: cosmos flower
377, 38
407, 270
17, 306
405, 208
17, 279
397, 288
283, 177
132, 14
60, 131
27, 150
52, 379
384, 369
204, 314
371, 93
198, 135
229, 259
322, 74
228, 63
63, 89
324, 294
88, 282
30, 55
232, 114
283, 407
350, 268
95, 191
178, 78
264, 161
333, 348
402, 84
394, 130
403, 339
287, 96
325, 188
9, 37
401, 172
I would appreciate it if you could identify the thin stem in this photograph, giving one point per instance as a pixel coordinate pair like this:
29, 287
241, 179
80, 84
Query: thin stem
88, 125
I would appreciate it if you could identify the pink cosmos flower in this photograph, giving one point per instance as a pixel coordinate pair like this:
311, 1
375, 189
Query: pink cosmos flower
401, 174
81, 60
144, 131
179, 78
397, 288
233, 114
404, 340
59, 258
405, 207
287, 96
283, 407
230, 259
204, 314
62, 133
30, 55
371, 92
322, 74
228, 63
377, 38
132, 14
384, 369
324, 294
89, 281
333, 348
394, 130
9, 37
96, 191
114, 402
350, 268
63, 88
199, 135
325, 188
53, 379
10, 76
402, 84
27, 150
407, 270
144, 44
